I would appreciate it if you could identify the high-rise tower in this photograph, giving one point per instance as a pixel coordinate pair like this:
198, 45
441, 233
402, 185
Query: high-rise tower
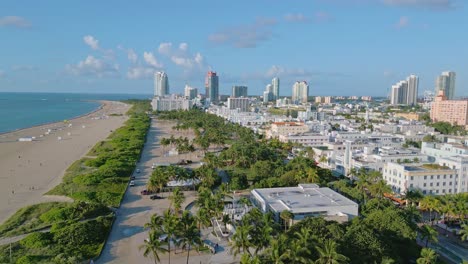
161, 84
412, 95
276, 84
446, 82
300, 92
212, 87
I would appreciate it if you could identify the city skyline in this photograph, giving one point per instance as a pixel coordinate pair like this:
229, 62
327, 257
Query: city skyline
355, 55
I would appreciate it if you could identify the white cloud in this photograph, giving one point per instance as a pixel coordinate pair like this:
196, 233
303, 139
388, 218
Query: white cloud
91, 41
140, 73
132, 56
295, 17
432, 4
14, 21
402, 22
92, 66
165, 48
151, 60
245, 36
183, 46
182, 57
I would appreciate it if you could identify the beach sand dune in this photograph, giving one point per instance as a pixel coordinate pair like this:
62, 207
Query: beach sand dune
31, 168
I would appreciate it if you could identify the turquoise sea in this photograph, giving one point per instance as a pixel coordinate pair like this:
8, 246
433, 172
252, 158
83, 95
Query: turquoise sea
22, 110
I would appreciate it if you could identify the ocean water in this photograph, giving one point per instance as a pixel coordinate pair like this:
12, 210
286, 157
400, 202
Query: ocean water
22, 110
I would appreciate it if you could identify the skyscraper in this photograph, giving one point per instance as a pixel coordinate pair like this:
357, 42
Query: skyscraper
161, 84
405, 92
190, 92
239, 91
412, 95
446, 82
300, 92
276, 83
212, 87
399, 93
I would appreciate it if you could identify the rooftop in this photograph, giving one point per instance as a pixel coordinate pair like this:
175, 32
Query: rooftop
302, 199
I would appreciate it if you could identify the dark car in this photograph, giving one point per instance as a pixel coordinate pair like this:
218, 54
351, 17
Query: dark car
132, 178
145, 192
155, 197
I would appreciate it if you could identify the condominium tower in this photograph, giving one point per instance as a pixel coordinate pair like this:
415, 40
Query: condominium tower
300, 92
212, 87
190, 92
161, 84
405, 92
446, 82
276, 84
239, 91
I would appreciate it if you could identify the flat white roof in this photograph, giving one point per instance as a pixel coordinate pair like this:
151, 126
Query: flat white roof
302, 199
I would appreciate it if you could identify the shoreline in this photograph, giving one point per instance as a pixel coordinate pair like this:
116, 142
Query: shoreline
99, 107
30, 169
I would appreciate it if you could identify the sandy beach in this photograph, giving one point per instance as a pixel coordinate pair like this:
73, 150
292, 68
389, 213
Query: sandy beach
31, 168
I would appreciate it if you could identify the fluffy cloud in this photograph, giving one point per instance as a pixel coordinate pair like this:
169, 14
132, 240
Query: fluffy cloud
432, 4
91, 41
132, 56
140, 73
182, 57
150, 59
245, 36
14, 21
402, 22
295, 17
92, 66
165, 48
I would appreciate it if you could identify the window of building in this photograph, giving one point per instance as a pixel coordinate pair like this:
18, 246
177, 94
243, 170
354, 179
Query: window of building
443, 184
443, 190
424, 192
432, 177
438, 176
411, 185
424, 184
412, 177
445, 176
425, 177
437, 184
437, 191
450, 190
430, 184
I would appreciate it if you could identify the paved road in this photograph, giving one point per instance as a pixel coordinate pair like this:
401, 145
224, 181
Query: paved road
128, 233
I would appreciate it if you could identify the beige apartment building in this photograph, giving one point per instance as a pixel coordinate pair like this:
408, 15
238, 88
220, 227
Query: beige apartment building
286, 128
452, 111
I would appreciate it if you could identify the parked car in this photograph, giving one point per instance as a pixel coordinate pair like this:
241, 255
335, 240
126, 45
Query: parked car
145, 192
132, 177
155, 197
137, 170
132, 183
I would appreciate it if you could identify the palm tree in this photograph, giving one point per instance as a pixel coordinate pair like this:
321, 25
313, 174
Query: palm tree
153, 245
464, 232
386, 260
413, 196
189, 233
428, 203
169, 227
241, 240
379, 188
328, 254
177, 198
429, 234
287, 216
428, 256
278, 253
155, 223
226, 220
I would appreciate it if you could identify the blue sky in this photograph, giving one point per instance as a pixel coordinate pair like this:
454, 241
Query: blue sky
341, 47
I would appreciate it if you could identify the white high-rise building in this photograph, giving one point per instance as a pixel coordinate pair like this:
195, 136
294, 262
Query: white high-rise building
446, 83
300, 92
161, 84
276, 84
399, 93
405, 92
190, 92
412, 94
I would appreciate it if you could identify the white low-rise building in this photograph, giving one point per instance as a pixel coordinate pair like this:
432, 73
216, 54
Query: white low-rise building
305, 200
307, 139
429, 178
443, 150
169, 103
286, 128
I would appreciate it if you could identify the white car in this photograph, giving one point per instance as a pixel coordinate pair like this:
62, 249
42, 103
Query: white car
132, 183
